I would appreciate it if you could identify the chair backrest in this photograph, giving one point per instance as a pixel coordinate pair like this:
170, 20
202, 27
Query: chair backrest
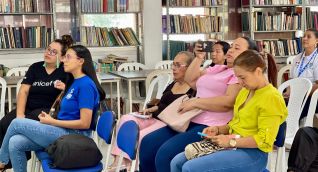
290, 59
3, 96
18, 86
17, 71
131, 66
312, 109
127, 138
300, 89
165, 64
281, 73
105, 126
207, 63
159, 78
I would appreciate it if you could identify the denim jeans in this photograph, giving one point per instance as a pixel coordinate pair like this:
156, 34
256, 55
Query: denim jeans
29, 135
240, 160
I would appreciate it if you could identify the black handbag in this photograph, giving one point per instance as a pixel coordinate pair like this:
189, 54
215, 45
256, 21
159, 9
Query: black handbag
74, 151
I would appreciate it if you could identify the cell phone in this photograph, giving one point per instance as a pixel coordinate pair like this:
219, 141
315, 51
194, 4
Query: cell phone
207, 46
202, 134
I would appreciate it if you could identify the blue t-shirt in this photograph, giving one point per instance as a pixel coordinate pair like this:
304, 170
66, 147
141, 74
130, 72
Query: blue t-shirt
81, 94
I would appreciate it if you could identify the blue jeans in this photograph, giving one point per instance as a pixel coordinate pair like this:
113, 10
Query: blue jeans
240, 160
29, 135
159, 147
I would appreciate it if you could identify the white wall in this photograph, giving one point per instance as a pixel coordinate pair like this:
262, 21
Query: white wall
152, 32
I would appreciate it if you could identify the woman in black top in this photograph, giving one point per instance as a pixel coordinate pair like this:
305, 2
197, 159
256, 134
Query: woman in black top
41, 85
175, 90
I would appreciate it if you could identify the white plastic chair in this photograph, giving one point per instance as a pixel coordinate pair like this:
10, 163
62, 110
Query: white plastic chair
206, 63
159, 78
131, 66
312, 109
17, 71
290, 59
3, 96
165, 64
300, 89
281, 73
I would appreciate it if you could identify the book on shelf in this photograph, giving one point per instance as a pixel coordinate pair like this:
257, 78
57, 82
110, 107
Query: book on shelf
272, 2
193, 3
275, 21
312, 19
28, 37
25, 6
105, 6
281, 47
188, 24
108, 37
310, 2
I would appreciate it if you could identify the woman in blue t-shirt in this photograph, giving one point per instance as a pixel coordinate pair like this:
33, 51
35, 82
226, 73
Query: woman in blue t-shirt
76, 115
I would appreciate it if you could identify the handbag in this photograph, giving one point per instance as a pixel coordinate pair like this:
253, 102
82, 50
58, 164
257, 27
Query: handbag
55, 108
201, 148
74, 151
177, 121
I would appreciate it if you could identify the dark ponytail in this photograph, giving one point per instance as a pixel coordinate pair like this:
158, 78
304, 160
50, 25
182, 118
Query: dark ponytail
271, 68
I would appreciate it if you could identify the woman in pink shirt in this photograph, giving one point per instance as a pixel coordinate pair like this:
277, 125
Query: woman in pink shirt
217, 88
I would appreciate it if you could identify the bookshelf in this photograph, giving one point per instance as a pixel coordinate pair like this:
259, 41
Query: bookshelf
26, 24
112, 23
184, 26
273, 24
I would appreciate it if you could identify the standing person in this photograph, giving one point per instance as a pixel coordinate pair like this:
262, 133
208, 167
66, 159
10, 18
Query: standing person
218, 53
41, 85
303, 155
259, 110
305, 64
175, 90
76, 115
217, 88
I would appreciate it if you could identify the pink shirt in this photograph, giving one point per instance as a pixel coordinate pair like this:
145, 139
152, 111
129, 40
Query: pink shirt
214, 83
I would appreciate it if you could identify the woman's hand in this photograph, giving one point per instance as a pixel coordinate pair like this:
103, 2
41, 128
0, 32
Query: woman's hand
221, 140
59, 85
211, 131
187, 105
198, 51
45, 118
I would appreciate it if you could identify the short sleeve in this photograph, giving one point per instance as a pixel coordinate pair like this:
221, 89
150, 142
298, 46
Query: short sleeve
292, 69
269, 121
30, 75
87, 97
315, 68
233, 80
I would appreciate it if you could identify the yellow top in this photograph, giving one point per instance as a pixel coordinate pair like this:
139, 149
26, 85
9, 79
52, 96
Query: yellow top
260, 117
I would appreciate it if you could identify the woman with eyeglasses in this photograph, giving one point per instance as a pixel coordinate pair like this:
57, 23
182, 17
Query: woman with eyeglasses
76, 115
217, 88
41, 85
176, 89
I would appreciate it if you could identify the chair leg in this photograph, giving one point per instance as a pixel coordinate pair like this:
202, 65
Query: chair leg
120, 162
269, 161
33, 161
281, 160
109, 150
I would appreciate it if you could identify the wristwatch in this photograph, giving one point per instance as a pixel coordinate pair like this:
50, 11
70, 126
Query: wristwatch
232, 143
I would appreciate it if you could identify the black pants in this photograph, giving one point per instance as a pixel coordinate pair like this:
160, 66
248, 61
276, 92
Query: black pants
303, 156
7, 119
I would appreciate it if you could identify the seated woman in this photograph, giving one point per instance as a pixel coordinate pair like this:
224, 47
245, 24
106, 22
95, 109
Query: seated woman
38, 91
217, 88
259, 110
76, 113
303, 155
176, 89
219, 50
305, 64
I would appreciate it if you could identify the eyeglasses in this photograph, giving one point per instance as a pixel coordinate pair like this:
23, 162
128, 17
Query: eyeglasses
68, 57
177, 65
51, 51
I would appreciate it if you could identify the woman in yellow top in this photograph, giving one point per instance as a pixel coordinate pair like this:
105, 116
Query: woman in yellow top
259, 110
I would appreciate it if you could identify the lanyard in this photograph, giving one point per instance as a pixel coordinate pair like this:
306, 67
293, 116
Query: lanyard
302, 68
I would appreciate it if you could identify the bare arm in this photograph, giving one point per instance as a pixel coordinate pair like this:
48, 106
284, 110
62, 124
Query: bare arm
83, 123
22, 99
314, 87
194, 72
